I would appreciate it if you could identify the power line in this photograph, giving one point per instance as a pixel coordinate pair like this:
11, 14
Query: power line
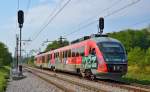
111, 6
51, 19
93, 22
50, 15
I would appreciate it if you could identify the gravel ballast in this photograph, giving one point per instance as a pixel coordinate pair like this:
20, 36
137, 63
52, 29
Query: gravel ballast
30, 83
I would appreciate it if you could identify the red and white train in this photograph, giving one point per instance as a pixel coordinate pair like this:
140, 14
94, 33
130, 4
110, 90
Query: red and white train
91, 56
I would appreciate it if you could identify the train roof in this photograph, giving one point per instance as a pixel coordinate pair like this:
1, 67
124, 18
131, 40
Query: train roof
104, 39
97, 38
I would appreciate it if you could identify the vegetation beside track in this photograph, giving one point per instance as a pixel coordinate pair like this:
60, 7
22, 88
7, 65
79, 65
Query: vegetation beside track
5, 61
4, 75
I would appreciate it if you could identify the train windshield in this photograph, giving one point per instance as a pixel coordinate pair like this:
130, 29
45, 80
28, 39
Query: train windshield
112, 51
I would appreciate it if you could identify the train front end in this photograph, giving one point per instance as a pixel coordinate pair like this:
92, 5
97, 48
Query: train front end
112, 59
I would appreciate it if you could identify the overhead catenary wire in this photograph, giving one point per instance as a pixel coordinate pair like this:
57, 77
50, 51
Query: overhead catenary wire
50, 15
51, 19
95, 21
102, 11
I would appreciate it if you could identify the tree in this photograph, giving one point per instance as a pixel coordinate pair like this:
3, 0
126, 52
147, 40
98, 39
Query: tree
5, 56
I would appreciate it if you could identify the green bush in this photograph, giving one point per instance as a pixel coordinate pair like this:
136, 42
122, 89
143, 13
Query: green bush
136, 56
4, 74
147, 57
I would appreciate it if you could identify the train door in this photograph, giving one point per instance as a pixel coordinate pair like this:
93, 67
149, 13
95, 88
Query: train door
90, 61
93, 58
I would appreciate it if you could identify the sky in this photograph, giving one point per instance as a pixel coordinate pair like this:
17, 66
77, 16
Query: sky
75, 15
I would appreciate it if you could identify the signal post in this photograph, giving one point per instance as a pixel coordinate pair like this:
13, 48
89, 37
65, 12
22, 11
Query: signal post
20, 21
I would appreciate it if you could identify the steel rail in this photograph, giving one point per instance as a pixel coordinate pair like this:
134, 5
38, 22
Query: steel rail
92, 88
128, 87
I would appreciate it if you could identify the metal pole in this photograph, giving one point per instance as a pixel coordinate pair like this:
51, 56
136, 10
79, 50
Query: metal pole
20, 44
17, 40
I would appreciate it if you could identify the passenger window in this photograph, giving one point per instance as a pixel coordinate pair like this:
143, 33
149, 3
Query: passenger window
66, 54
69, 53
73, 53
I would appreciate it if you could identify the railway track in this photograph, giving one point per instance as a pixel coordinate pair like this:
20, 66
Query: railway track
62, 83
85, 85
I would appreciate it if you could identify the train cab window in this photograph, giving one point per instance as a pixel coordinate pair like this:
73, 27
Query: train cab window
112, 51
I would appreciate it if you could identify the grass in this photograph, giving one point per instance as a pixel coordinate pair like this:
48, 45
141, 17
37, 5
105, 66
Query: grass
4, 75
138, 75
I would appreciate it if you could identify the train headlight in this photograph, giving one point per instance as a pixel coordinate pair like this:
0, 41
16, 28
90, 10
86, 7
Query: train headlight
123, 60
